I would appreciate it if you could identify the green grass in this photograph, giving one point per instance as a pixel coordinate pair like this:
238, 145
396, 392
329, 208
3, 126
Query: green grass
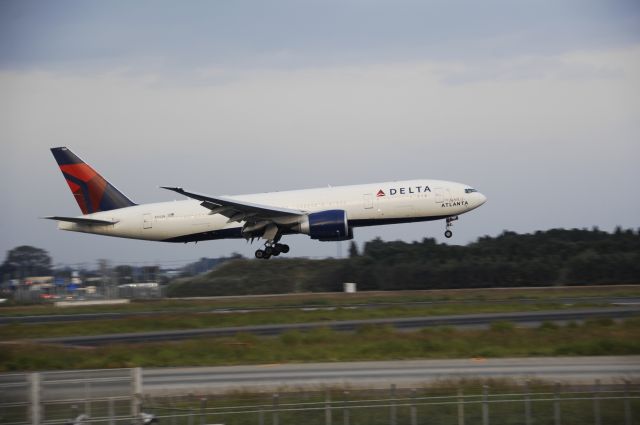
368, 343
189, 320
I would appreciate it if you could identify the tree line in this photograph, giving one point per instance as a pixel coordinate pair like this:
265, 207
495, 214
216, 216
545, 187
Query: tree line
25, 261
552, 257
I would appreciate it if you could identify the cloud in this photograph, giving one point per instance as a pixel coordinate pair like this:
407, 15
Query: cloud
575, 66
162, 36
562, 127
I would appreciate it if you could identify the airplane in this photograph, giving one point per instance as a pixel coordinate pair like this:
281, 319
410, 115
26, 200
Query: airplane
324, 214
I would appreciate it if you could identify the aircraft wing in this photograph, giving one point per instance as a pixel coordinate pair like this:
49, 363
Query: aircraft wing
237, 210
82, 220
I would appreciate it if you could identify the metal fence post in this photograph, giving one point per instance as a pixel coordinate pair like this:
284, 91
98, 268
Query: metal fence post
527, 403
393, 417
87, 397
203, 410
627, 403
136, 391
345, 409
34, 381
327, 407
74, 412
557, 420
596, 403
485, 405
261, 417
460, 407
274, 418
413, 411
173, 410
112, 411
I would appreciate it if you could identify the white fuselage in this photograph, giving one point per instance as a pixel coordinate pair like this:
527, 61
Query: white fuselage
365, 205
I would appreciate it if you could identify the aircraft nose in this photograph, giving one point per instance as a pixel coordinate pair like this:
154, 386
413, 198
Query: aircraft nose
476, 200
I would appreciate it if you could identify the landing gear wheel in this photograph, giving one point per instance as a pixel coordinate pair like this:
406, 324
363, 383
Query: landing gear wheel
271, 249
281, 248
448, 233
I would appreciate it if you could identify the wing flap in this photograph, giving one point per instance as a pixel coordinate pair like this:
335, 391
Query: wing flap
235, 209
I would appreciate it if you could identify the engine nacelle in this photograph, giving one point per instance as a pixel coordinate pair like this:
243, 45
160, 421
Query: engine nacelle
330, 225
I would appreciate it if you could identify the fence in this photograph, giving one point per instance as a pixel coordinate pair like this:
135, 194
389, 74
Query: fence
557, 405
115, 397
107, 396
27, 294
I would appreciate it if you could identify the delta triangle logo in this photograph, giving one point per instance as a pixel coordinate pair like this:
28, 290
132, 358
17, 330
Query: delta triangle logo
380, 193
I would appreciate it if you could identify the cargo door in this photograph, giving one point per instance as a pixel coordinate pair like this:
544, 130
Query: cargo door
439, 195
147, 221
367, 201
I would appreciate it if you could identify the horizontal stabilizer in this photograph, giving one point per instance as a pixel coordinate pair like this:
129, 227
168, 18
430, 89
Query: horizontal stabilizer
82, 220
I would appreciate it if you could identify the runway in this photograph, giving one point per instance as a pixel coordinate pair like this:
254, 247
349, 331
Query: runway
80, 317
464, 320
378, 374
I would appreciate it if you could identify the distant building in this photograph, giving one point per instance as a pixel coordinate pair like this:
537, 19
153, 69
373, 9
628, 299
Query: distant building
140, 290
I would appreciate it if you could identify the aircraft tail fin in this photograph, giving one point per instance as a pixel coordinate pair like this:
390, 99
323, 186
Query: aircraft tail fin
93, 193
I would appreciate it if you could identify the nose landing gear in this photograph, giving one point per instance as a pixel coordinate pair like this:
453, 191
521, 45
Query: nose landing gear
271, 249
448, 233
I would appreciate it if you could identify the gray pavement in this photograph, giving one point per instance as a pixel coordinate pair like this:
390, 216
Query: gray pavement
381, 374
76, 385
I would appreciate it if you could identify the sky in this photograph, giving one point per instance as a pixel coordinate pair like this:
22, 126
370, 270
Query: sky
535, 103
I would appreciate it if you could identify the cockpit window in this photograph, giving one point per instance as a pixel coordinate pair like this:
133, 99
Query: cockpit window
469, 190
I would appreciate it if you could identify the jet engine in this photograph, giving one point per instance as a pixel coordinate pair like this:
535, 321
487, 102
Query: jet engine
330, 225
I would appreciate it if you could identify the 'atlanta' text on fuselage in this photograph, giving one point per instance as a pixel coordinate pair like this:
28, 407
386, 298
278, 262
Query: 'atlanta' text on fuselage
324, 214
455, 203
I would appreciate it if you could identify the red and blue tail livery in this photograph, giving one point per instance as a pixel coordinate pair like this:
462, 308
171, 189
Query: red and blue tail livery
92, 192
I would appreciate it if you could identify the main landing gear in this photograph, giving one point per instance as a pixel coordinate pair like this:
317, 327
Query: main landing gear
271, 249
448, 233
